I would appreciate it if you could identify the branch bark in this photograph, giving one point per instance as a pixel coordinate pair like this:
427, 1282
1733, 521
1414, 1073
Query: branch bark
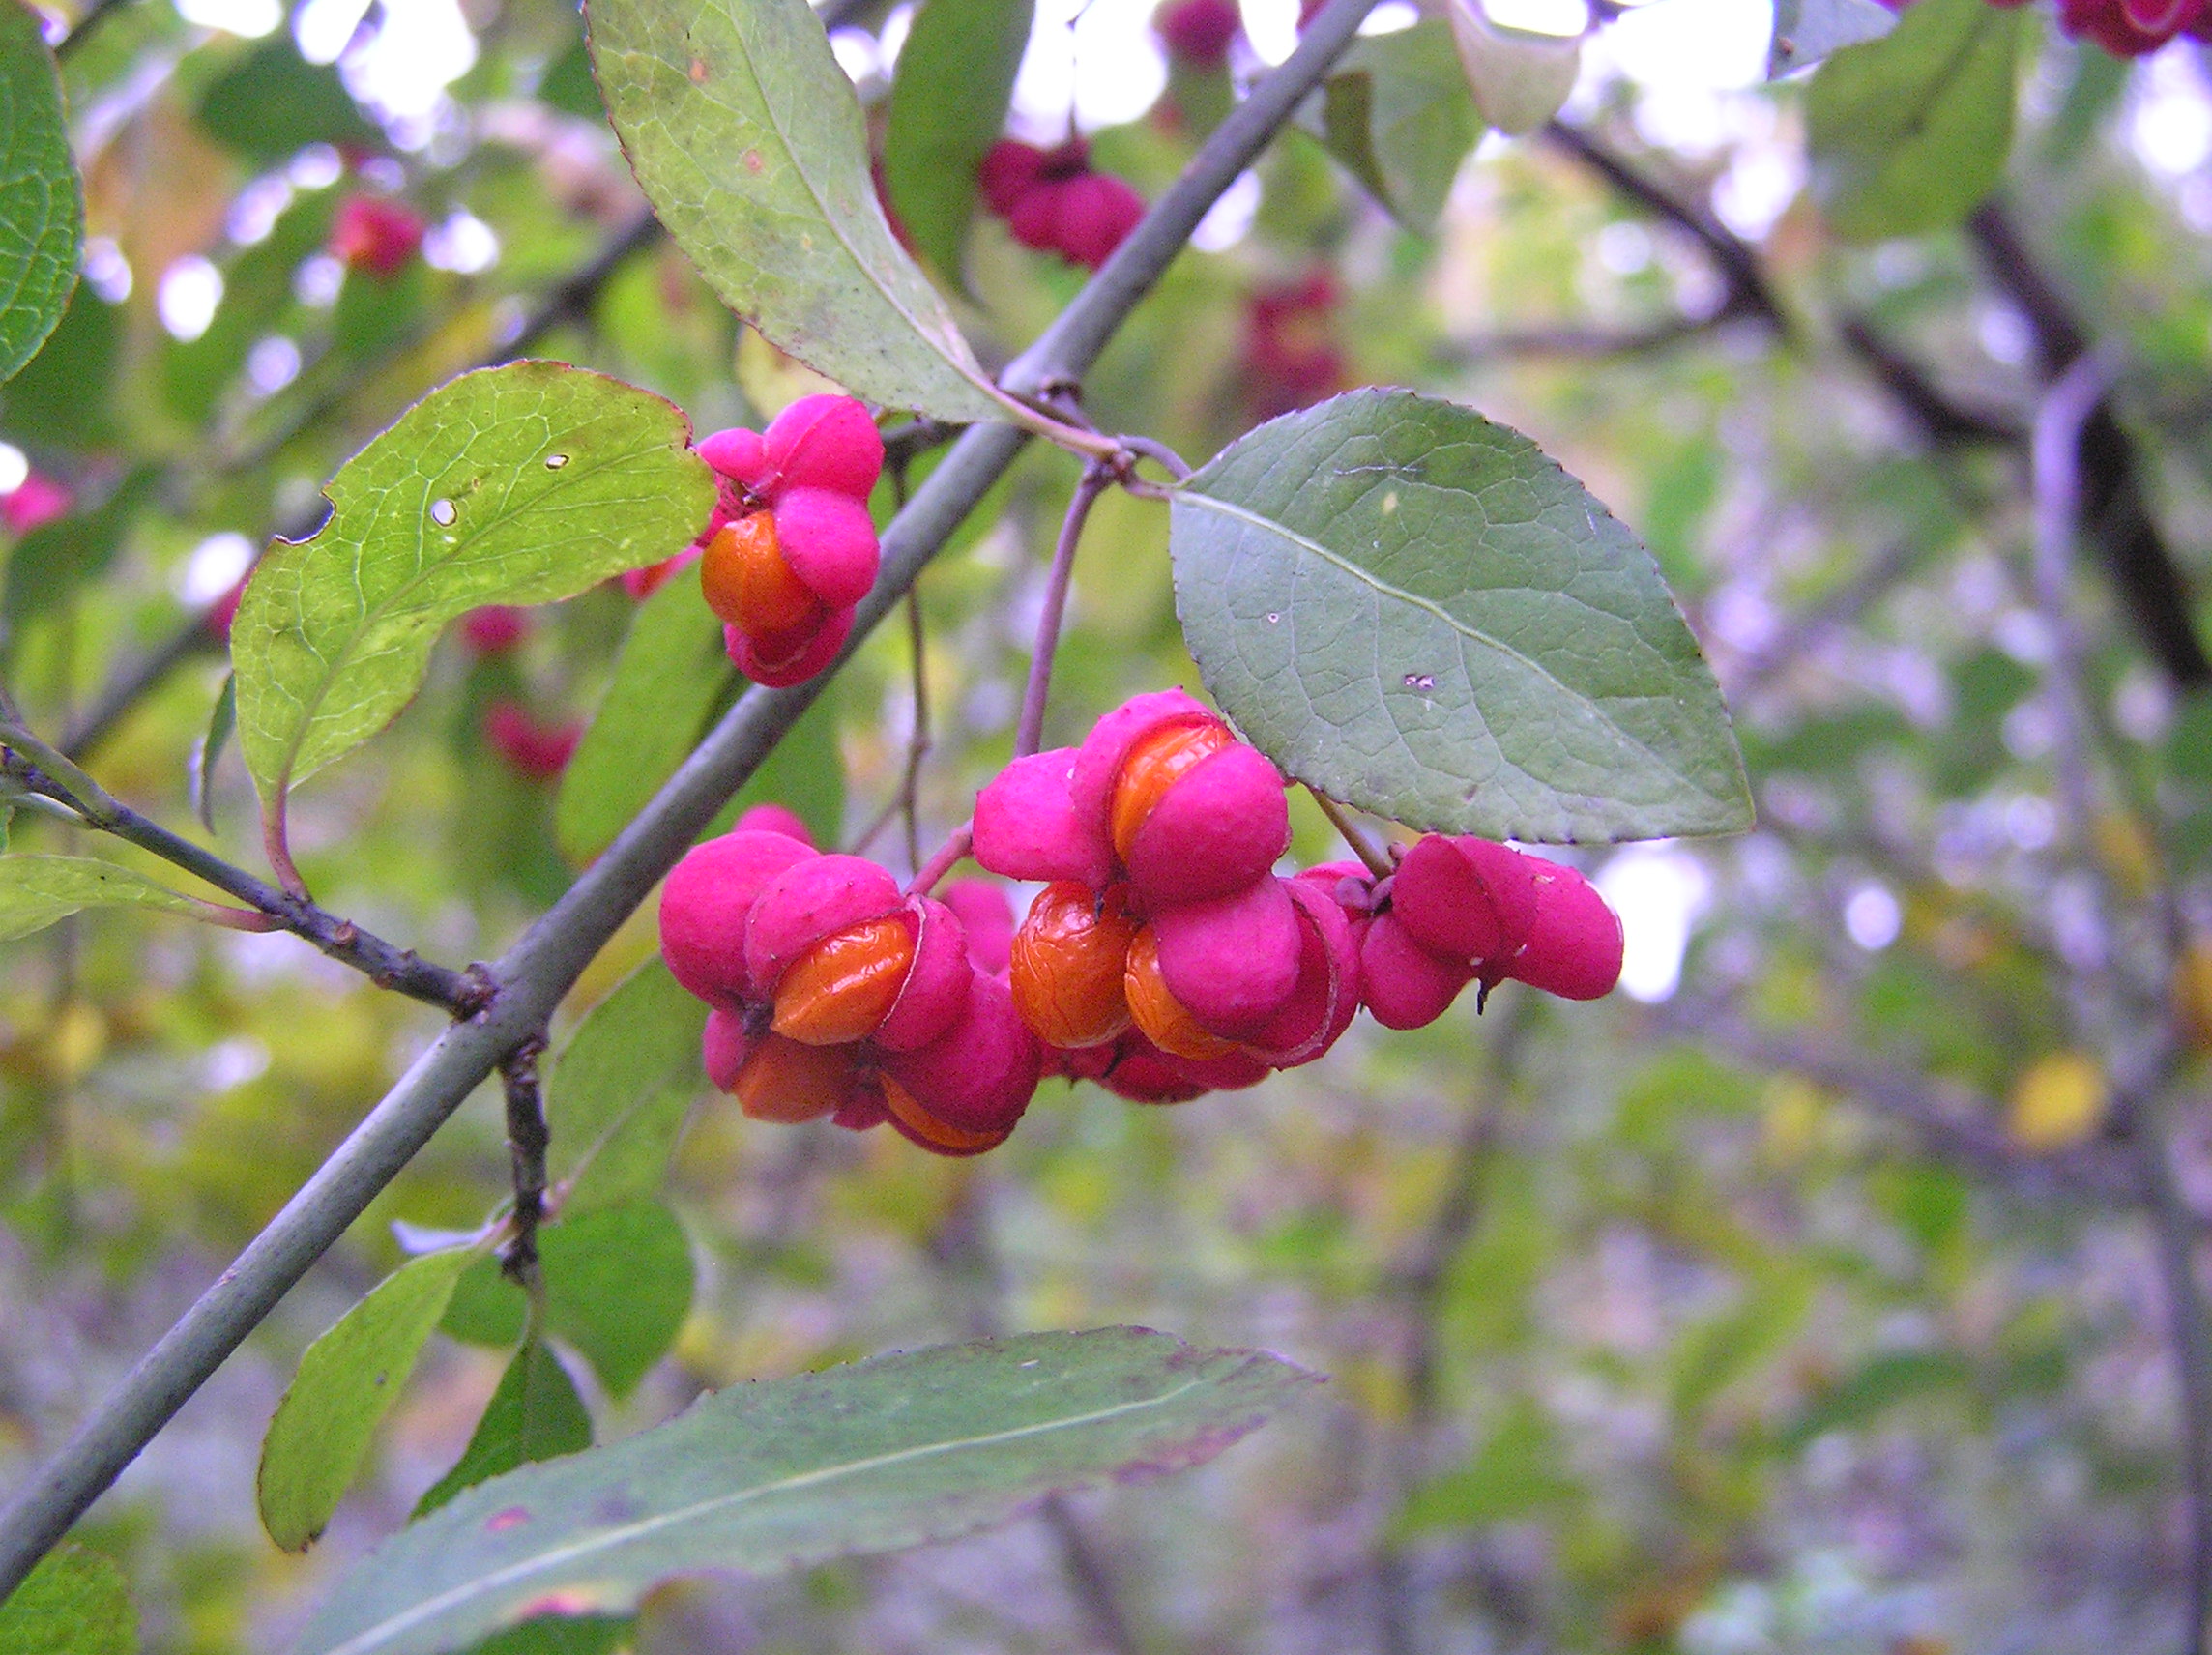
534, 975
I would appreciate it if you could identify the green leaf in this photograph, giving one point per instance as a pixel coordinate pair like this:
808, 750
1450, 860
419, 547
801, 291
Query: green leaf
1890, 1379
1521, 1472
616, 1097
669, 680
947, 105
1416, 612
1397, 116
887, 1453
1806, 31
671, 683
272, 103
618, 1286
55, 559
536, 1415
42, 201
65, 397
519, 484
747, 139
1909, 133
347, 1379
207, 751
805, 774
1518, 79
36, 891
74, 1603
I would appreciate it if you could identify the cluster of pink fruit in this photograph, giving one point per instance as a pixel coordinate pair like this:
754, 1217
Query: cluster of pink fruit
1053, 201
834, 993
1164, 959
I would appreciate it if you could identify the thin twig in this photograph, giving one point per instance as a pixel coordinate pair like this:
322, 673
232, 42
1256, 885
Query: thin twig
1028, 733
527, 1140
948, 855
2113, 508
546, 961
461, 994
83, 29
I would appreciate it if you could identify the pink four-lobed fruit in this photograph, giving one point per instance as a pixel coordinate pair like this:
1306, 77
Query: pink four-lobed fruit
376, 236
536, 749
791, 548
833, 994
1197, 33
1054, 202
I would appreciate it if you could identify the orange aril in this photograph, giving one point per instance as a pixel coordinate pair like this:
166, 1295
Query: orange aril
1067, 967
1165, 1021
749, 583
841, 988
786, 1081
1155, 764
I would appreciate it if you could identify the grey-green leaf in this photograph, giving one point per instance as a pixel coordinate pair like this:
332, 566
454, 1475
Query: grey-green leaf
1415, 611
42, 201
947, 105
519, 484
886, 1453
1399, 116
667, 681
747, 139
534, 1414
617, 1095
1909, 133
347, 1379
74, 1603
36, 891
1806, 31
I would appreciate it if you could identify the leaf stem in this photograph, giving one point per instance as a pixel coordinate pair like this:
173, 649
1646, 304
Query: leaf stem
1028, 735
1377, 861
961, 842
546, 961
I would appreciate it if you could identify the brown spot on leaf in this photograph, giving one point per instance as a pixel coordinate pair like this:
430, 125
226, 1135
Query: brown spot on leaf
753, 162
698, 72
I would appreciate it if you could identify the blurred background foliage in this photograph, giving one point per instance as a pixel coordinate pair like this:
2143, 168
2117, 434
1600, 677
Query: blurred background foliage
1804, 1296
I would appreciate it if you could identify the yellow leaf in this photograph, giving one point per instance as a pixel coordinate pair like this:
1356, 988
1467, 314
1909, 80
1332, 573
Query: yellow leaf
2060, 1101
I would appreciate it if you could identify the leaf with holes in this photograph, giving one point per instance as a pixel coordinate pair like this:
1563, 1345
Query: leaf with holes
347, 1381
42, 201
1415, 611
1909, 133
778, 1475
747, 139
519, 484
36, 891
947, 105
